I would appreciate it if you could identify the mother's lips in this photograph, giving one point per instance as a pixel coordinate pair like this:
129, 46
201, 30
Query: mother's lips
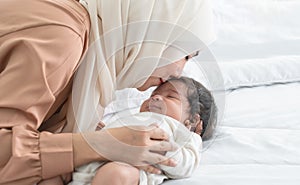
161, 80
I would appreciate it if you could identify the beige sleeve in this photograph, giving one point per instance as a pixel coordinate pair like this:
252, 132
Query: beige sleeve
35, 66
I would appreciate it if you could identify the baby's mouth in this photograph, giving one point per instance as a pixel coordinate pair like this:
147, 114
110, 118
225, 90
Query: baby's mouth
154, 108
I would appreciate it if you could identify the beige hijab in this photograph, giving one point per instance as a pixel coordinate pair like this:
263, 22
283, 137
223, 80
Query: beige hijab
129, 39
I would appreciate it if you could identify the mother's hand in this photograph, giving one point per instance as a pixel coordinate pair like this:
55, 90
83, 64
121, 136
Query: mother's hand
135, 145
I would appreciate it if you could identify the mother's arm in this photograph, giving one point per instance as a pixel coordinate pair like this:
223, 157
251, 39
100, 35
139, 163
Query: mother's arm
34, 70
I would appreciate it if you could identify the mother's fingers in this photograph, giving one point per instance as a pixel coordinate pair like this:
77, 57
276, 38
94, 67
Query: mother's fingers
157, 133
157, 152
155, 158
150, 169
169, 162
162, 146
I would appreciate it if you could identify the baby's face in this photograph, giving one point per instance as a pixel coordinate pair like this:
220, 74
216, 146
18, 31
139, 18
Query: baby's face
169, 99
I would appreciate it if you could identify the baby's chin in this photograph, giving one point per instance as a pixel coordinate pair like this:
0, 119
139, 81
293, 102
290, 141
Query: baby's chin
154, 111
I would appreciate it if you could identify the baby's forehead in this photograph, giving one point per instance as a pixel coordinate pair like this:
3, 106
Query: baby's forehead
174, 85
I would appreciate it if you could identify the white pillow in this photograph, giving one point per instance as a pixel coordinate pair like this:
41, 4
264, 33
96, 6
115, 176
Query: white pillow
258, 72
256, 28
233, 74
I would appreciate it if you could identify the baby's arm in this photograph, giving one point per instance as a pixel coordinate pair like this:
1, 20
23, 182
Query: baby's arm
187, 155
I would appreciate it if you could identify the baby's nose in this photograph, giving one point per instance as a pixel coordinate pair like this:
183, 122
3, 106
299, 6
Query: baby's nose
156, 98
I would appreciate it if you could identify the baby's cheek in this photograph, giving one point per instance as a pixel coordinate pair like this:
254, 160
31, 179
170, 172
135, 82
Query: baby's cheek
174, 113
144, 106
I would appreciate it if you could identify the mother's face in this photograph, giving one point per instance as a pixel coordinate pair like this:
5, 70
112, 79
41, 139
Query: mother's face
162, 74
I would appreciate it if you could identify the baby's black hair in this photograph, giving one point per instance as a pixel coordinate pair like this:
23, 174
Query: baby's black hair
201, 102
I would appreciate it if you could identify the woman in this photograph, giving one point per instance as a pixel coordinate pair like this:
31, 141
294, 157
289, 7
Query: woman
116, 44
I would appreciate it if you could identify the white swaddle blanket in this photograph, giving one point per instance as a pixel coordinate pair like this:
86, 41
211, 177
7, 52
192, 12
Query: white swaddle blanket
187, 155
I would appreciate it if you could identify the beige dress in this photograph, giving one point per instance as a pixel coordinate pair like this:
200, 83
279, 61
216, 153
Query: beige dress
41, 43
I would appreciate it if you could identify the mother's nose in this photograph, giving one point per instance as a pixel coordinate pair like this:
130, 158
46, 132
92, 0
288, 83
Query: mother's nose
177, 73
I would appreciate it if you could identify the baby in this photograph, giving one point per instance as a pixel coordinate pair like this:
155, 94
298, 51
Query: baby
179, 106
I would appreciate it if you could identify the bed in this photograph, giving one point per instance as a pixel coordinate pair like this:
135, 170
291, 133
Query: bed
253, 69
